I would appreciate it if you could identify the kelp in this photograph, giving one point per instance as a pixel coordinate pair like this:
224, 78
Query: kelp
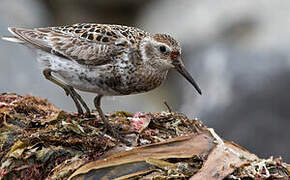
40, 141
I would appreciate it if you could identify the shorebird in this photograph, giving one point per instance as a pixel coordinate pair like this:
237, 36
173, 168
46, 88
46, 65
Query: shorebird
109, 60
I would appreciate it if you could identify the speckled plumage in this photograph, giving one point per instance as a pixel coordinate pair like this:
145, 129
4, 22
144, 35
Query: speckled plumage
103, 59
98, 58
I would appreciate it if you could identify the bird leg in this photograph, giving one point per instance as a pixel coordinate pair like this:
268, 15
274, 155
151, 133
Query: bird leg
68, 90
110, 128
80, 100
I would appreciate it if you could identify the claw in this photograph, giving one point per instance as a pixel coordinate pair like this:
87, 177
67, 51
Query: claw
116, 134
128, 132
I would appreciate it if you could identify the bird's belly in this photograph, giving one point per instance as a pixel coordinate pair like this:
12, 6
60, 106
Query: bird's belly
83, 79
105, 80
106, 84
76, 75
84, 83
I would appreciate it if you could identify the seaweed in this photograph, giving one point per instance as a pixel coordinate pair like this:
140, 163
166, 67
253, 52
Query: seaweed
40, 141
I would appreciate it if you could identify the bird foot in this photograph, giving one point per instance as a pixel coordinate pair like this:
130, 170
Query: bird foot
129, 132
88, 115
111, 129
118, 134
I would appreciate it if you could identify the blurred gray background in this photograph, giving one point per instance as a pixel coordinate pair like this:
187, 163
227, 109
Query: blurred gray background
238, 52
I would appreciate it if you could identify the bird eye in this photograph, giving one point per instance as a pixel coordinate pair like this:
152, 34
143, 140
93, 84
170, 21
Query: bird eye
162, 49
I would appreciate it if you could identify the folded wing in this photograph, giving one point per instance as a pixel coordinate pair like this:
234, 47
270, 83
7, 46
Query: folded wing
66, 45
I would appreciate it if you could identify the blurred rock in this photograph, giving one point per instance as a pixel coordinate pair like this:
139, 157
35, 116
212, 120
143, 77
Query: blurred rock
238, 51
109, 11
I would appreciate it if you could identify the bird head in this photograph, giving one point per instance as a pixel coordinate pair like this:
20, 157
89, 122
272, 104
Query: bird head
163, 52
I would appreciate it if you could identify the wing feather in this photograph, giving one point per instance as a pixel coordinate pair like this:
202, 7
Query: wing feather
67, 45
30, 37
89, 44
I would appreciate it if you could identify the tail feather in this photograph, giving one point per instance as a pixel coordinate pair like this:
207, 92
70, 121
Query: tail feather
12, 39
33, 39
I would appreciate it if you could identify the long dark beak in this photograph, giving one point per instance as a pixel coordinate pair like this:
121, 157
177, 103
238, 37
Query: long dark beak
181, 69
